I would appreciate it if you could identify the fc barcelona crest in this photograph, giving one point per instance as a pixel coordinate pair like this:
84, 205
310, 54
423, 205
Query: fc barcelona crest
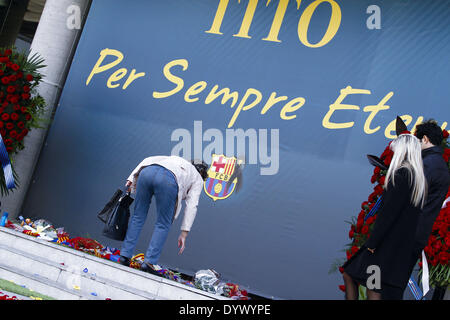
224, 177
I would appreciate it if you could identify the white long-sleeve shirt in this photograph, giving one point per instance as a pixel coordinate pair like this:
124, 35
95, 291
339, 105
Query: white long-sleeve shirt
190, 184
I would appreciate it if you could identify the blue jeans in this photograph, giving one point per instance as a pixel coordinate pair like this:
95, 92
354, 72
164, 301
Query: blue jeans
152, 181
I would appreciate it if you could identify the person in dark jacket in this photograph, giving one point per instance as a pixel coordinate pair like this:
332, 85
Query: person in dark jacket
438, 180
385, 257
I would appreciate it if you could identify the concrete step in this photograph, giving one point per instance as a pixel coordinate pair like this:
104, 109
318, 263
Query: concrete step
67, 274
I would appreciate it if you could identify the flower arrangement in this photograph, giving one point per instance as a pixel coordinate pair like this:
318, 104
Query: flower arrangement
93, 247
5, 297
438, 249
21, 107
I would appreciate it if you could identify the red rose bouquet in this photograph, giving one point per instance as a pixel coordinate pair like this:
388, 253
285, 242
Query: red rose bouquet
438, 249
20, 105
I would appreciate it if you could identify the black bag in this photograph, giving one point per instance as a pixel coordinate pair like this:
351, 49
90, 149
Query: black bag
117, 212
109, 207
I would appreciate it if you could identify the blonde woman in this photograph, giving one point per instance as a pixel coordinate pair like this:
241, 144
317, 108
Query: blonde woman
382, 263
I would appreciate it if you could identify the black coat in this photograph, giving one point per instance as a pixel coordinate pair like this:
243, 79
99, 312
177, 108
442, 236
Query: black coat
438, 179
392, 236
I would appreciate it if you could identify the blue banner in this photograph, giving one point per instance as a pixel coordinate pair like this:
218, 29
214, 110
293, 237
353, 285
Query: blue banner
6, 166
297, 92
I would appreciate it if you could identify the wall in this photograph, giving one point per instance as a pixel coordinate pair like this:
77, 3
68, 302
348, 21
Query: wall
279, 235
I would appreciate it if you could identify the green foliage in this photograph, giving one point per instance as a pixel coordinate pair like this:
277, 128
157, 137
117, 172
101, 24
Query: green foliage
14, 288
29, 65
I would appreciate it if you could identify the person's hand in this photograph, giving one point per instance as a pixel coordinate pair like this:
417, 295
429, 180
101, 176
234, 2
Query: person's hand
371, 250
182, 241
128, 184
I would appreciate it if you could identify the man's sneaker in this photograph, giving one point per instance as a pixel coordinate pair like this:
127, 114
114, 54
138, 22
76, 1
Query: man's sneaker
150, 268
124, 261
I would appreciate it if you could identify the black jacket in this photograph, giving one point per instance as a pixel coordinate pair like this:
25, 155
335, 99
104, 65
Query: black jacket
438, 180
392, 236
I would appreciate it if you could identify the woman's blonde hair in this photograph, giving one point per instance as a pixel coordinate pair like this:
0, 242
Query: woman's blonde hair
408, 154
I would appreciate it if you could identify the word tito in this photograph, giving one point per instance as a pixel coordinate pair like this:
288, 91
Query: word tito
303, 24
235, 144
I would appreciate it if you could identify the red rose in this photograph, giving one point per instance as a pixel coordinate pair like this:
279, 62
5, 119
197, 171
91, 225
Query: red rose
14, 116
26, 89
15, 67
351, 234
9, 126
14, 99
447, 240
354, 249
378, 189
370, 220
13, 134
341, 270
11, 89
434, 261
25, 96
359, 225
349, 255
16, 107
8, 52
28, 117
8, 142
23, 110
388, 160
29, 77
445, 134
5, 80
443, 257
382, 180
5, 117
373, 179
13, 78
365, 230
365, 203
20, 125
342, 288
9, 149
